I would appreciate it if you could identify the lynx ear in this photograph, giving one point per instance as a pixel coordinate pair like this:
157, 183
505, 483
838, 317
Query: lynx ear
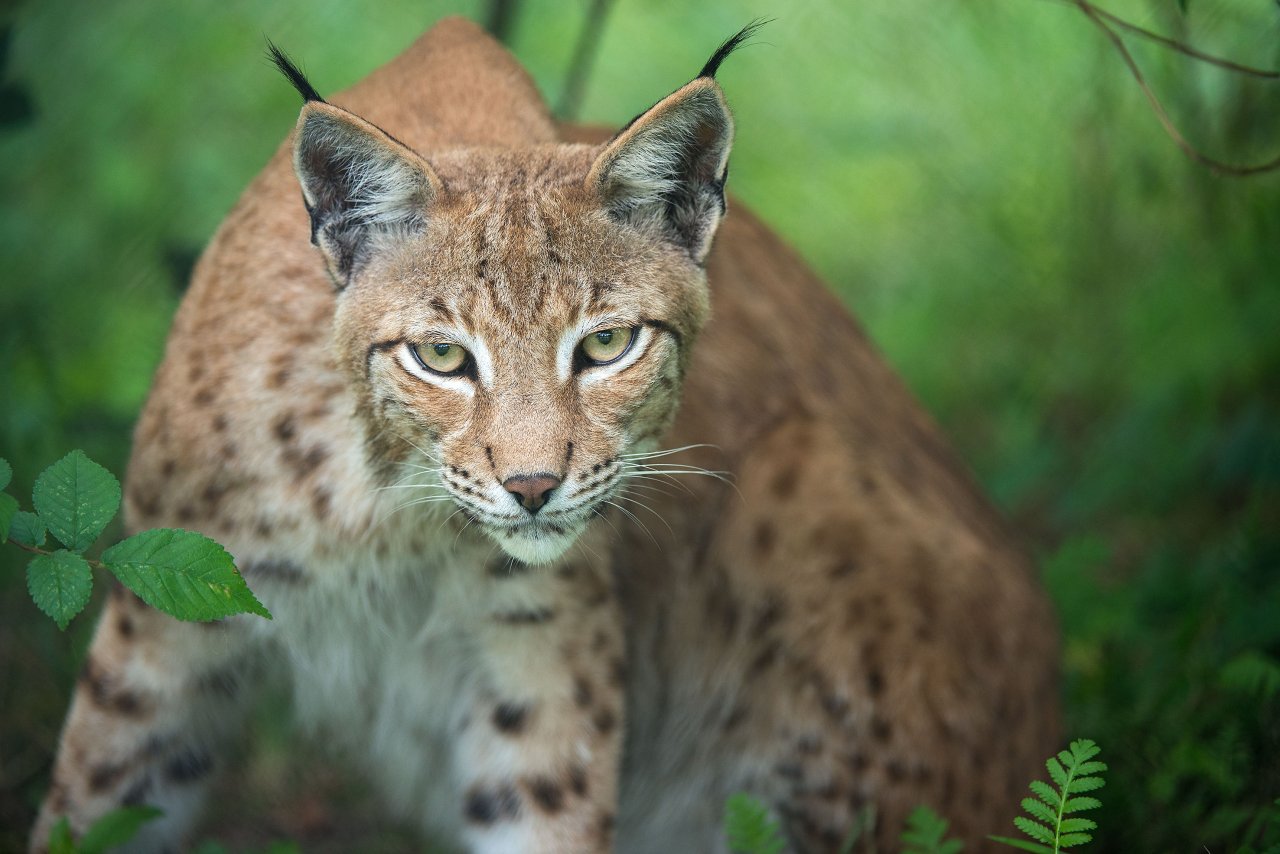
360, 186
665, 171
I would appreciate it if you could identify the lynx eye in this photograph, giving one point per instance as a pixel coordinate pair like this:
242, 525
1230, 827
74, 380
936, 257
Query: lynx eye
608, 345
441, 356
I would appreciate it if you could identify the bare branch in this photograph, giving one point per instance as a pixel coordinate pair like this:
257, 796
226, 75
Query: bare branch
1190, 150
1173, 44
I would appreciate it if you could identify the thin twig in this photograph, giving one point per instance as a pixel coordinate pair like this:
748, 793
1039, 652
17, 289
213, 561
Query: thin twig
96, 564
1188, 149
1180, 47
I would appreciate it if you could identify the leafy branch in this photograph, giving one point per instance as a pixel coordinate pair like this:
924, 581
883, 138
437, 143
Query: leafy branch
181, 573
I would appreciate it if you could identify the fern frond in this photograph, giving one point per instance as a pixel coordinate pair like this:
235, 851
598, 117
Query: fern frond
1080, 804
924, 834
749, 827
1051, 825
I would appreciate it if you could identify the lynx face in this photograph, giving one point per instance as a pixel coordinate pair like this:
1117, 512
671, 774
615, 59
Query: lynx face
517, 325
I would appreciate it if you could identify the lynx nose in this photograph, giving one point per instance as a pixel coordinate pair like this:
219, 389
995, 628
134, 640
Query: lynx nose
531, 490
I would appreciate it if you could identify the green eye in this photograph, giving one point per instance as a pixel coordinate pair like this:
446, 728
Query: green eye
607, 345
441, 357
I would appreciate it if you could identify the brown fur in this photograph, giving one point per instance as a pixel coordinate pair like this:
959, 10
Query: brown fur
848, 625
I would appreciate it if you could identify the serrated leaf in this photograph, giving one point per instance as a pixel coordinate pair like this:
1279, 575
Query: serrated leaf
1085, 784
924, 834
1068, 840
6, 472
1081, 804
116, 828
8, 509
749, 827
1075, 825
1056, 771
60, 841
1046, 793
26, 528
1039, 810
1084, 748
1088, 768
76, 498
1034, 829
182, 573
1022, 844
60, 584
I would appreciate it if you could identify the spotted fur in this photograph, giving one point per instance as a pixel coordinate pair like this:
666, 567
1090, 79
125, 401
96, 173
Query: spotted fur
846, 625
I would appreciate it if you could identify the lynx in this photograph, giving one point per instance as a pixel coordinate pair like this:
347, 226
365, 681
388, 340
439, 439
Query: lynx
442, 383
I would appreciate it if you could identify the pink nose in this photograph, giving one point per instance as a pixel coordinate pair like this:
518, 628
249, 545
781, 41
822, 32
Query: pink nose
531, 490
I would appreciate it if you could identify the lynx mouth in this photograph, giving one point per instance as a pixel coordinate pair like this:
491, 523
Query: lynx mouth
537, 541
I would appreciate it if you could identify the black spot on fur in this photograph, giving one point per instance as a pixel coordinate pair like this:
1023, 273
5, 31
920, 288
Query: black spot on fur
547, 794
510, 718
487, 806
188, 766
106, 776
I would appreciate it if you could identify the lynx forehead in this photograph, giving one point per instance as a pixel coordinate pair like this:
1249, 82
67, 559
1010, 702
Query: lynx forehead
432, 411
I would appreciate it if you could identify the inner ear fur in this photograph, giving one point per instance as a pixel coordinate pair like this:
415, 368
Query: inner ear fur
665, 172
360, 186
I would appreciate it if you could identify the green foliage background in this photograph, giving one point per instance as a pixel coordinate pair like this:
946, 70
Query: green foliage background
1093, 319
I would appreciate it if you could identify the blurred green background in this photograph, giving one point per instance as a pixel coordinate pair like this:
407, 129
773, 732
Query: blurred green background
1094, 319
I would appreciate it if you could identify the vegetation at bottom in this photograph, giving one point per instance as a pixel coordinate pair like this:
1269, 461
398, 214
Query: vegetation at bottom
1091, 317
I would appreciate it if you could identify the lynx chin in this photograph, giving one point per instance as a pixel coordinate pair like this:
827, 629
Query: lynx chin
561, 557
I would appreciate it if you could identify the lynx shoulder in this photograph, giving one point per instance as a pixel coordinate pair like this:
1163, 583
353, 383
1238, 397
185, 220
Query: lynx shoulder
565, 557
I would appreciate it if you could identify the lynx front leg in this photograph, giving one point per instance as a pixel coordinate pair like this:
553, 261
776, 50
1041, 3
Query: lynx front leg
152, 706
538, 760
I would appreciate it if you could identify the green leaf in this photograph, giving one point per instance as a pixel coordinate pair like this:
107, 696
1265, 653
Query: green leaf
1034, 829
26, 528
1046, 793
1075, 825
182, 573
1080, 804
1084, 748
60, 584
279, 847
8, 509
60, 841
924, 834
6, 472
76, 498
1085, 784
1056, 771
1038, 810
749, 827
1022, 844
1070, 840
116, 828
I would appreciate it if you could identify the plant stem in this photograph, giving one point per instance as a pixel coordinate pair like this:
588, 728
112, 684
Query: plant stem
96, 564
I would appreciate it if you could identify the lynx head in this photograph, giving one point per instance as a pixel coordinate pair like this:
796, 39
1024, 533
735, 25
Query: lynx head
517, 321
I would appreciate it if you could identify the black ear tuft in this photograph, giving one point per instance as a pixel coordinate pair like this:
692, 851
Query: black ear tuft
731, 44
295, 75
